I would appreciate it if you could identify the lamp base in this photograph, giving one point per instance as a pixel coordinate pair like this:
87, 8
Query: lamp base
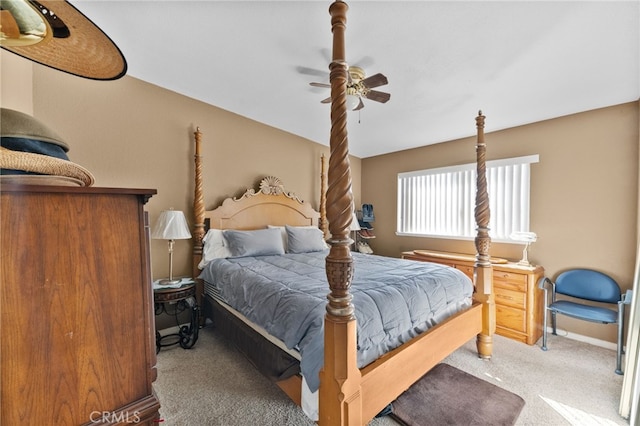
168, 281
525, 258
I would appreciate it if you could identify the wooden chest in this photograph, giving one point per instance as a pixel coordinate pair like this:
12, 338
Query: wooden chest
78, 340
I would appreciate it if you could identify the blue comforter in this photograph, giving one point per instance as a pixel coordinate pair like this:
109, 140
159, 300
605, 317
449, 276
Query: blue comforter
394, 299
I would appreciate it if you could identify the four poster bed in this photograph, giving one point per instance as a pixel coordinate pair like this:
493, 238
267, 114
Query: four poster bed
350, 354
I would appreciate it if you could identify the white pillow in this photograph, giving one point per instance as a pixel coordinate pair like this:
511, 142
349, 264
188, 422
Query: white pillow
304, 239
259, 242
215, 247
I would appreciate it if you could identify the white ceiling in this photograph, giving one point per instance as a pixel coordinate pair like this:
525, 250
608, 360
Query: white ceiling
518, 61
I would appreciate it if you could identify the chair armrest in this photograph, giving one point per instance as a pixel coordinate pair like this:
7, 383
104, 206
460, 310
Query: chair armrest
542, 282
626, 298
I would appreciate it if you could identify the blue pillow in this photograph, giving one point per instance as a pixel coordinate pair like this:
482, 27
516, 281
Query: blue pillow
260, 242
304, 239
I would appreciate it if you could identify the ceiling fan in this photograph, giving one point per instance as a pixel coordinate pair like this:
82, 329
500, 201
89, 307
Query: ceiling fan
360, 87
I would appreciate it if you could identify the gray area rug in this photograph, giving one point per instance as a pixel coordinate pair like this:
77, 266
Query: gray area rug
448, 396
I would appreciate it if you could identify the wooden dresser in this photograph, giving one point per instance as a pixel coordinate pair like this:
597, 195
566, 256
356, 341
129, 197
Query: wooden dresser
519, 302
76, 320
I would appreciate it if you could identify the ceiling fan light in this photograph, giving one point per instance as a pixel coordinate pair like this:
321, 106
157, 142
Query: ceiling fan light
352, 102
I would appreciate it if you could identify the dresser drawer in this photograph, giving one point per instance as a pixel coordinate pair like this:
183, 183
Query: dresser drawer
510, 280
468, 270
511, 318
516, 299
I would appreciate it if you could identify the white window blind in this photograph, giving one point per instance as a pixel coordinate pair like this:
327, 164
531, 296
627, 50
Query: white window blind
440, 202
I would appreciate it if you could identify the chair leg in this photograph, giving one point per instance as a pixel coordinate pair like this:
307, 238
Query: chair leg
544, 331
619, 349
553, 323
619, 359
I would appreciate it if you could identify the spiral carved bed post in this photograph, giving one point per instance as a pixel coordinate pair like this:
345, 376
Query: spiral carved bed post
483, 270
340, 399
198, 213
322, 221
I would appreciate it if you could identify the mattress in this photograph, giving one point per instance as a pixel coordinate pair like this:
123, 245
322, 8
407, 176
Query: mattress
394, 299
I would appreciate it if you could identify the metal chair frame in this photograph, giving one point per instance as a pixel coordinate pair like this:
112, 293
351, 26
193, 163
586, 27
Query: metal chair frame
607, 291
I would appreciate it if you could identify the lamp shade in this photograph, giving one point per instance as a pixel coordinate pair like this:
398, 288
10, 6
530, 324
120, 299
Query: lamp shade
355, 225
525, 237
171, 225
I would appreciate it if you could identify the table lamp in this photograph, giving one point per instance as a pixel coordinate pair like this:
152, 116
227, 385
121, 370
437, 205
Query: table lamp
355, 227
527, 238
171, 225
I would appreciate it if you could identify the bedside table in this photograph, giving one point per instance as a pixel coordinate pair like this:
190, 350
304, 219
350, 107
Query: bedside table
173, 300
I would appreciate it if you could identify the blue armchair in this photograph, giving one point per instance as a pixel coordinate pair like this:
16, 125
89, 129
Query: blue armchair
587, 285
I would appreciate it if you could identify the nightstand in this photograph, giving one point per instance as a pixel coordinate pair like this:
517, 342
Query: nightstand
173, 300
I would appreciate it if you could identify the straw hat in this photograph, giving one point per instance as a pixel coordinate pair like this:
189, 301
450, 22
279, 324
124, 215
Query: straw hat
29, 146
77, 46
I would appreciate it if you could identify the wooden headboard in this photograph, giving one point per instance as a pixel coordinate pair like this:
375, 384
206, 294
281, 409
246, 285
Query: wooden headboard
269, 205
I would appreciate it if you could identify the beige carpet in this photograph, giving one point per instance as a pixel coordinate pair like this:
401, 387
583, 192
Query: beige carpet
571, 384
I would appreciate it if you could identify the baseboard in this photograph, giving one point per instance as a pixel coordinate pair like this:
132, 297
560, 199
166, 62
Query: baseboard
586, 339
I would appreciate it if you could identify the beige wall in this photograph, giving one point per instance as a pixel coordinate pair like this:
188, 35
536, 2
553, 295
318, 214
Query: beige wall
584, 193
129, 133
16, 88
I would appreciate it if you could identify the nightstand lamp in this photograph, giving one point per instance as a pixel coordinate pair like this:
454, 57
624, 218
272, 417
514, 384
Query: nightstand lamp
355, 227
171, 225
527, 238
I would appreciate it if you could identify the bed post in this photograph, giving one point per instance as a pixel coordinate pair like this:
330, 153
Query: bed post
483, 270
198, 213
340, 395
322, 221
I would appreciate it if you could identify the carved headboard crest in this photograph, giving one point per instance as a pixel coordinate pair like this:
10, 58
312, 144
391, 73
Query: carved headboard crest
270, 185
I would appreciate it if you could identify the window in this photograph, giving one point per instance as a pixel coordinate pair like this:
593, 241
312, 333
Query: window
440, 202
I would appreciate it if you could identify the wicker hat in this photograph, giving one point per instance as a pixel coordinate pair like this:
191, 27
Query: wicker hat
77, 46
29, 147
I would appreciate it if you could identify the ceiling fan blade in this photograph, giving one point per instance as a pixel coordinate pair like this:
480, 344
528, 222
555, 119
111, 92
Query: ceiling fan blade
377, 96
326, 101
314, 84
360, 105
312, 71
365, 62
375, 80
